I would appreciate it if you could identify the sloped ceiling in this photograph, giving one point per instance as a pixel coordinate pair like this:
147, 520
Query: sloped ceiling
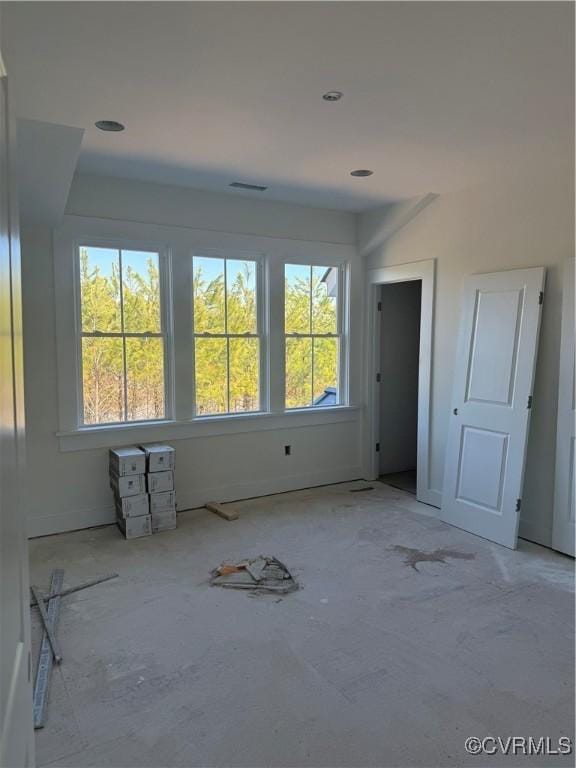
47, 159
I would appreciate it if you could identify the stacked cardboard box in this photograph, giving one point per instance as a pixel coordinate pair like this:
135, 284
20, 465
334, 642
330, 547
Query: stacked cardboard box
128, 481
160, 461
143, 483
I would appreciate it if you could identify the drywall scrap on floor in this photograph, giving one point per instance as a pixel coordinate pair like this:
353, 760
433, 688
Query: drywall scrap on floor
263, 573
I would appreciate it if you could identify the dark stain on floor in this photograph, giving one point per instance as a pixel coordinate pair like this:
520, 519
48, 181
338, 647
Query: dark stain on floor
361, 490
414, 556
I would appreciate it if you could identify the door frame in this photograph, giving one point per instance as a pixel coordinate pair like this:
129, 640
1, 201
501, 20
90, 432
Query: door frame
425, 271
564, 467
16, 723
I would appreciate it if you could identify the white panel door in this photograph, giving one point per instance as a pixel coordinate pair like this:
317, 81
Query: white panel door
563, 532
16, 731
491, 402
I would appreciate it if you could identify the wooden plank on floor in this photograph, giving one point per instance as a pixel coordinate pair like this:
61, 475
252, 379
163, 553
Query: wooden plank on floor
227, 512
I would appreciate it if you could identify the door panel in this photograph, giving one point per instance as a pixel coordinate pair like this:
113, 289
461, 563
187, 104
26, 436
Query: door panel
564, 531
493, 380
16, 733
482, 467
491, 370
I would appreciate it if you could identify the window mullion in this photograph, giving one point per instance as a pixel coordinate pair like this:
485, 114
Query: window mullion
276, 339
113, 335
208, 335
226, 335
341, 295
228, 372
311, 341
125, 374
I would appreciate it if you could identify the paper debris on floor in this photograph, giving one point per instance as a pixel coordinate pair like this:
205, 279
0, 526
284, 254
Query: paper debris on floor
263, 573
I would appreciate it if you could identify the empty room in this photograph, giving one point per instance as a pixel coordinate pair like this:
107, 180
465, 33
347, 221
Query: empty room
287, 384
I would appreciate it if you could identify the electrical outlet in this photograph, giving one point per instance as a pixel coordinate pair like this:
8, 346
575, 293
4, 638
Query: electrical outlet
287, 450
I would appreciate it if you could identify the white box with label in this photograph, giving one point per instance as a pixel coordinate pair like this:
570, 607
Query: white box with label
127, 461
162, 502
128, 485
163, 521
159, 457
135, 527
133, 506
160, 481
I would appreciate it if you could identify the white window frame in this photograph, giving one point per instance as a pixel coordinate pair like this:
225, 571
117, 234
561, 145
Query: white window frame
178, 244
261, 331
341, 335
165, 327
69, 326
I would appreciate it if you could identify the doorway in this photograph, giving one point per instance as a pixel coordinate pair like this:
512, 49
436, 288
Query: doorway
422, 273
400, 311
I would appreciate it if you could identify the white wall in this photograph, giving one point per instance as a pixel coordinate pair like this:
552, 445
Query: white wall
399, 359
517, 221
520, 220
70, 490
105, 197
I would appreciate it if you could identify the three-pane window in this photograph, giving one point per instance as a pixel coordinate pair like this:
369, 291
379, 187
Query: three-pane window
227, 344
312, 335
125, 345
122, 335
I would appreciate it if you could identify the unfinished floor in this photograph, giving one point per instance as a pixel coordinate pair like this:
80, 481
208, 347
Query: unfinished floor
404, 481
371, 663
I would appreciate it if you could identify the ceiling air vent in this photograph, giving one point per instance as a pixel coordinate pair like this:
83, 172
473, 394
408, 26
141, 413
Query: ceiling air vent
251, 187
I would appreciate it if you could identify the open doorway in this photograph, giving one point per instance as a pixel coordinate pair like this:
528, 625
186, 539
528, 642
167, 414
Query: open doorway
400, 311
376, 436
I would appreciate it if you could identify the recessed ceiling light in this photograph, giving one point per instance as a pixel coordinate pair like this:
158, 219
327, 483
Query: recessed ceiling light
109, 125
333, 96
361, 173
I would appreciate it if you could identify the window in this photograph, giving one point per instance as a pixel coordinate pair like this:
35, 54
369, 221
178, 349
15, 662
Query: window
227, 339
167, 333
123, 341
312, 335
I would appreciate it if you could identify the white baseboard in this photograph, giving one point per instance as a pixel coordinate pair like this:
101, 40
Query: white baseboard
70, 521
89, 518
226, 493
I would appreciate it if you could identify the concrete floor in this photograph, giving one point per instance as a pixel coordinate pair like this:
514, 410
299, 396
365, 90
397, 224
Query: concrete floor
371, 663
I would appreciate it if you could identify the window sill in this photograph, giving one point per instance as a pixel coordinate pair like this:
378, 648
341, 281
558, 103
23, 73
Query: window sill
86, 438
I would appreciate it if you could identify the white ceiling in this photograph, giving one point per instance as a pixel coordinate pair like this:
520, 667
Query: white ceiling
437, 95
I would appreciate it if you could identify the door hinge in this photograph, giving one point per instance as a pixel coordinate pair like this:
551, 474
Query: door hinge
529, 402
378, 378
29, 667
379, 306
377, 447
541, 297
518, 504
